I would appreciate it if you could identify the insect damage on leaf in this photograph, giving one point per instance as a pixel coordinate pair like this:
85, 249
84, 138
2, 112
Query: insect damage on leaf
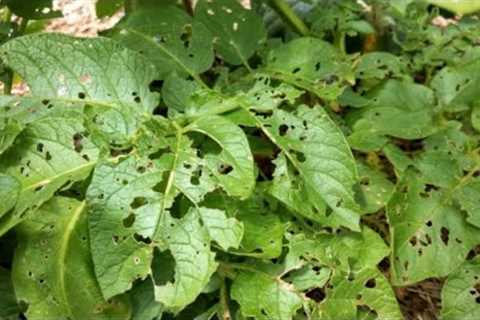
207, 162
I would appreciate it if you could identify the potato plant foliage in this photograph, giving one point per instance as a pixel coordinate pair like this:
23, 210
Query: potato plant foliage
296, 160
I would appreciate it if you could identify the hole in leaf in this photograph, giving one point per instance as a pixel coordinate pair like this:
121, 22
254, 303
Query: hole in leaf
129, 221
445, 235
316, 294
371, 283
138, 202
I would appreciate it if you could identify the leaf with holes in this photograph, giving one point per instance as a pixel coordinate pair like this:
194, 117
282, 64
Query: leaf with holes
310, 64
170, 38
237, 32
49, 154
428, 229
53, 260
96, 72
461, 292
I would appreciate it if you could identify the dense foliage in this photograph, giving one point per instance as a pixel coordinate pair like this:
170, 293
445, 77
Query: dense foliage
299, 160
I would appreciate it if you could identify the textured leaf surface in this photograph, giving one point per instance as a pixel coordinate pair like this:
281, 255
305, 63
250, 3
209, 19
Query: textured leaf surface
310, 64
48, 155
428, 229
318, 151
264, 297
188, 242
227, 232
170, 38
460, 293
53, 265
98, 72
8, 132
238, 32
9, 190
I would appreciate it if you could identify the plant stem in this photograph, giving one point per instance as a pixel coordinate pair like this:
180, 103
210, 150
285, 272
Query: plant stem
188, 6
224, 310
340, 41
289, 16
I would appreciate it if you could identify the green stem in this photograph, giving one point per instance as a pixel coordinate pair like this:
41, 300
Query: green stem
224, 309
340, 42
23, 27
130, 6
289, 16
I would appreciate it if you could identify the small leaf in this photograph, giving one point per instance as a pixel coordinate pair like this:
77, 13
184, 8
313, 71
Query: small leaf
227, 232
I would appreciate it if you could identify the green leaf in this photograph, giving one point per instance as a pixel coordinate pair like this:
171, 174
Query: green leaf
8, 303
52, 263
233, 166
460, 293
458, 6
397, 108
366, 288
9, 191
49, 154
263, 233
143, 301
428, 229
237, 32
33, 9
376, 187
456, 86
170, 38
188, 242
310, 64
317, 150
86, 71
106, 8
265, 297
227, 232
124, 210
8, 132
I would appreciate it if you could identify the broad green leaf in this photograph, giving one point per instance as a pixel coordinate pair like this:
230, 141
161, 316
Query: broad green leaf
308, 277
317, 150
105, 8
170, 38
9, 191
310, 64
379, 65
8, 304
457, 6
8, 132
460, 293
33, 9
346, 252
52, 266
124, 210
188, 242
398, 109
265, 297
456, 87
176, 92
48, 155
227, 232
476, 118
97, 72
237, 32
428, 229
